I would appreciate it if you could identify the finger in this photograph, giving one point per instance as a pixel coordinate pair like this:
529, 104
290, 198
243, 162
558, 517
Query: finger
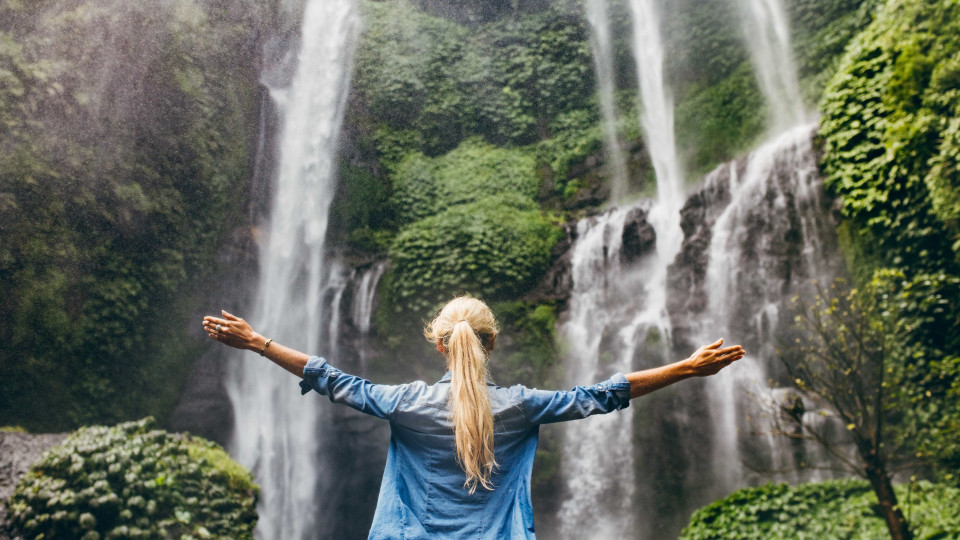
229, 316
215, 321
716, 344
730, 349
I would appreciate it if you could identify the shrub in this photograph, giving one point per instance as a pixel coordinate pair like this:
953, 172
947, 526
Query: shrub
833, 509
425, 186
135, 481
493, 248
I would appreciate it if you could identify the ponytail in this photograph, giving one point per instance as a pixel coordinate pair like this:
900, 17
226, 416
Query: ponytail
460, 326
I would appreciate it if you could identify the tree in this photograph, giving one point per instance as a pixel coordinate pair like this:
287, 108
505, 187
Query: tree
871, 358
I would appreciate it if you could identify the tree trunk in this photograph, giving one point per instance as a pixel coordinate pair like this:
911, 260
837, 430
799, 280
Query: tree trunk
892, 514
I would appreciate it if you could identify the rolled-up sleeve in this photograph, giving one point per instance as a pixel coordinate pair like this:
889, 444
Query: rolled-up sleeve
549, 406
379, 400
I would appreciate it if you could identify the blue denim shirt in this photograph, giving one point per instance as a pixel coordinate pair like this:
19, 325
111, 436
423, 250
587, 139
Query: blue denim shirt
422, 493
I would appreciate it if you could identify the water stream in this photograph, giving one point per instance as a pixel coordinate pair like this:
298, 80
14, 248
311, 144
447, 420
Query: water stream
766, 31
619, 300
275, 428
602, 45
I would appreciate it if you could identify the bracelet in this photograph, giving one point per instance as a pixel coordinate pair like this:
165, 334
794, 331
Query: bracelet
265, 346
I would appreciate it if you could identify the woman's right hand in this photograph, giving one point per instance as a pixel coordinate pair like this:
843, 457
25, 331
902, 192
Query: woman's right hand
710, 359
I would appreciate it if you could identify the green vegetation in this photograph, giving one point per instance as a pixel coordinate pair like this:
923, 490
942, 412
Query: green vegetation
135, 481
123, 165
862, 354
890, 154
834, 509
888, 134
493, 248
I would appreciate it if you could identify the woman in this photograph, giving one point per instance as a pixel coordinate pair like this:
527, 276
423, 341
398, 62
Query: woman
461, 450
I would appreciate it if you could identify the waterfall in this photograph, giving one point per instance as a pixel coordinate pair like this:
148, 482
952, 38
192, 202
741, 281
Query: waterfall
361, 311
749, 268
275, 428
767, 34
602, 43
615, 272
754, 232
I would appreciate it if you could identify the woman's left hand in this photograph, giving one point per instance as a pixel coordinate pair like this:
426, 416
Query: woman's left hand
232, 331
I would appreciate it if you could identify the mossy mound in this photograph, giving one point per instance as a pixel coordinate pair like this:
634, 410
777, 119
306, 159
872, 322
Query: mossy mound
135, 481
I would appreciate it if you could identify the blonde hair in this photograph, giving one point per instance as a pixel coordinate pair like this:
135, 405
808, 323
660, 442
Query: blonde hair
465, 326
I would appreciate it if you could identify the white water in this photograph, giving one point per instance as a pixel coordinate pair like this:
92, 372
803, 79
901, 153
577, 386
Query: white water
602, 43
745, 283
626, 301
361, 310
656, 118
275, 429
766, 30
597, 451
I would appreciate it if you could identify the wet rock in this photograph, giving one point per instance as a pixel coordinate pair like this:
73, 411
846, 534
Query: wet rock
557, 282
639, 238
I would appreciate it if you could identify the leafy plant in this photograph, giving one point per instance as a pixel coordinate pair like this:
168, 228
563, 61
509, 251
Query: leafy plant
492, 248
832, 509
135, 481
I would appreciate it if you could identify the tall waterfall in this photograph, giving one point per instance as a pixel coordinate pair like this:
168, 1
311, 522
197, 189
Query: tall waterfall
275, 430
767, 34
602, 45
618, 301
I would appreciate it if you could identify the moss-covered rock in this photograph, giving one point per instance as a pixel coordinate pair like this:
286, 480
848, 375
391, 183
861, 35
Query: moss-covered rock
135, 481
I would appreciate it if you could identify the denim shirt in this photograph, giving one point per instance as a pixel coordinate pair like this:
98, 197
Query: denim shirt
422, 493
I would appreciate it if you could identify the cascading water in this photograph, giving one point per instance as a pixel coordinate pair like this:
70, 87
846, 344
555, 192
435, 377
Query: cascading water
754, 232
602, 45
608, 287
748, 271
275, 429
767, 34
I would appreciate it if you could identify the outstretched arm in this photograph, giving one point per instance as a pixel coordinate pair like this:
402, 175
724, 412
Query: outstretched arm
237, 333
708, 360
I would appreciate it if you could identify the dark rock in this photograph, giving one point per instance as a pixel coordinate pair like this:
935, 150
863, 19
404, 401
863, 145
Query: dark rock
639, 238
557, 282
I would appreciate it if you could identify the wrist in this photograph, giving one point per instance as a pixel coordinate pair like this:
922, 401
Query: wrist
256, 342
687, 367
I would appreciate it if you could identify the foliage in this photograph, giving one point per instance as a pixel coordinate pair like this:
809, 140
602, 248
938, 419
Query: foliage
135, 481
125, 139
492, 248
890, 152
441, 82
887, 126
426, 186
832, 509
723, 120
876, 359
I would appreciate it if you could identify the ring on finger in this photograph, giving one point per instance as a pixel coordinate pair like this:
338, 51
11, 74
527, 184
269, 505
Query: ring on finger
218, 328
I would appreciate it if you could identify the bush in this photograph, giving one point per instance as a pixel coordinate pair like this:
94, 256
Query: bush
833, 509
426, 186
135, 481
493, 248
890, 152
